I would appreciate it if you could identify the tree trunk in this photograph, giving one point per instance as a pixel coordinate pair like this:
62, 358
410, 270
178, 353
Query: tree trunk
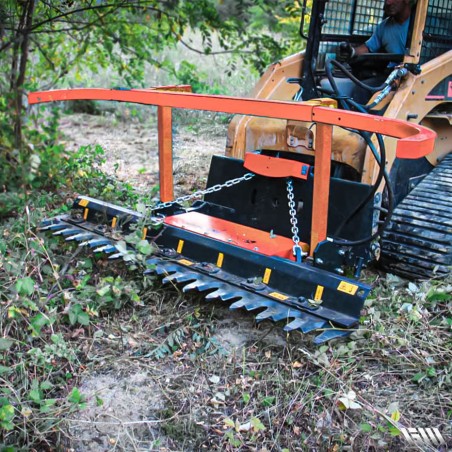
19, 67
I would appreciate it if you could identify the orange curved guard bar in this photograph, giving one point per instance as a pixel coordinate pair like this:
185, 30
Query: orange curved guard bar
414, 140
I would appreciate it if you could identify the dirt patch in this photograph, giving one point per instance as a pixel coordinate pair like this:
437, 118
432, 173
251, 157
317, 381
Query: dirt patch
131, 148
237, 331
119, 413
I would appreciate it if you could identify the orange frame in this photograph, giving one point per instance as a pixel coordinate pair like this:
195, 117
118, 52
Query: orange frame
414, 140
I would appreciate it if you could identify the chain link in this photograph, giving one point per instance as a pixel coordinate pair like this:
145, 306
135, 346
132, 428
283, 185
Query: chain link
297, 251
207, 191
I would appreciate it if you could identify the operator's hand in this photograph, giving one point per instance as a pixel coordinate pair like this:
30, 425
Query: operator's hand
344, 52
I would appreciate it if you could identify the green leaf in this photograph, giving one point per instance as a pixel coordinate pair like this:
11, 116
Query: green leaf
229, 422
75, 396
6, 416
257, 424
5, 344
35, 395
4, 370
144, 247
419, 377
366, 428
45, 385
246, 397
38, 321
268, 401
25, 286
103, 291
74, 311
6, 412
435, 294
82, 284
83, 318
393, 431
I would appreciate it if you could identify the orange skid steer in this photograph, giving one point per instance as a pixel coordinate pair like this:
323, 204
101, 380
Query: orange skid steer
263, 235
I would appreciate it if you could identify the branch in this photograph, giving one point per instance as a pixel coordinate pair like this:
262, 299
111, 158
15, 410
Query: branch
218, 52
44, 54
114, 6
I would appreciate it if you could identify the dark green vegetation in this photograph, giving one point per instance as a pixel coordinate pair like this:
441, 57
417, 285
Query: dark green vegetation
64, 43
68, 317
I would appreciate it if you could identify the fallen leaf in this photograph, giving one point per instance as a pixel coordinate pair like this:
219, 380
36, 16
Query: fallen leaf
215, 379
246, 427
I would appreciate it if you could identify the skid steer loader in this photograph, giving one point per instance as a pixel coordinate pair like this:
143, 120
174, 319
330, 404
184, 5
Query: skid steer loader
417, 241
280, 221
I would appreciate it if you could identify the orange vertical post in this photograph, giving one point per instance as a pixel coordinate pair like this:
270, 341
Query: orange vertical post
322, 171
165, 153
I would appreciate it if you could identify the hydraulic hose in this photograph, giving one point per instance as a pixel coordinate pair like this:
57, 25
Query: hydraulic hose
382, 226
381, 160
358, 82
395, 75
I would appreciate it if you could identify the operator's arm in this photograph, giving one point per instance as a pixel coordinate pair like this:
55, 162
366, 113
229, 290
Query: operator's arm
361, 50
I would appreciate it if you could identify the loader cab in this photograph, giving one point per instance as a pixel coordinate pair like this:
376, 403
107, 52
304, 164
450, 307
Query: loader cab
329, 22
423, 97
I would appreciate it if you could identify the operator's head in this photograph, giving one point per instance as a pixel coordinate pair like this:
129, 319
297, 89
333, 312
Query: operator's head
399, 9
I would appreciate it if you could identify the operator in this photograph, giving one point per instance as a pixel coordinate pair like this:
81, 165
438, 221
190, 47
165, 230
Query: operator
390, 36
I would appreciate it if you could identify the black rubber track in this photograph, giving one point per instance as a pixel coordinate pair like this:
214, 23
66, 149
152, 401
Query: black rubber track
417, 243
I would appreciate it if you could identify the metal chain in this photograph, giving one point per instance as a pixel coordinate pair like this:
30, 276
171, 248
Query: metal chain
200, 193
297, 251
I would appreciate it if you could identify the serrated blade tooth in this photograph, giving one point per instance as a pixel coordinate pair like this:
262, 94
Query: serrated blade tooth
116, 256
306, 323
330, 334
251, 303
67, 231
95, 242
268, 313
293, 325
200, 285
47, 222
53, 227
224, 293
275, 313
238, 304
178, 277
166, 269
79, 237
246, 301
105, 249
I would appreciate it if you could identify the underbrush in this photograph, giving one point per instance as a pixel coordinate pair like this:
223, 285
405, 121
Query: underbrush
66, 315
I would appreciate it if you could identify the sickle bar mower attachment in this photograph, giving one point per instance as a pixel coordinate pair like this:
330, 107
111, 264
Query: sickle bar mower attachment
213, 262
259, 237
